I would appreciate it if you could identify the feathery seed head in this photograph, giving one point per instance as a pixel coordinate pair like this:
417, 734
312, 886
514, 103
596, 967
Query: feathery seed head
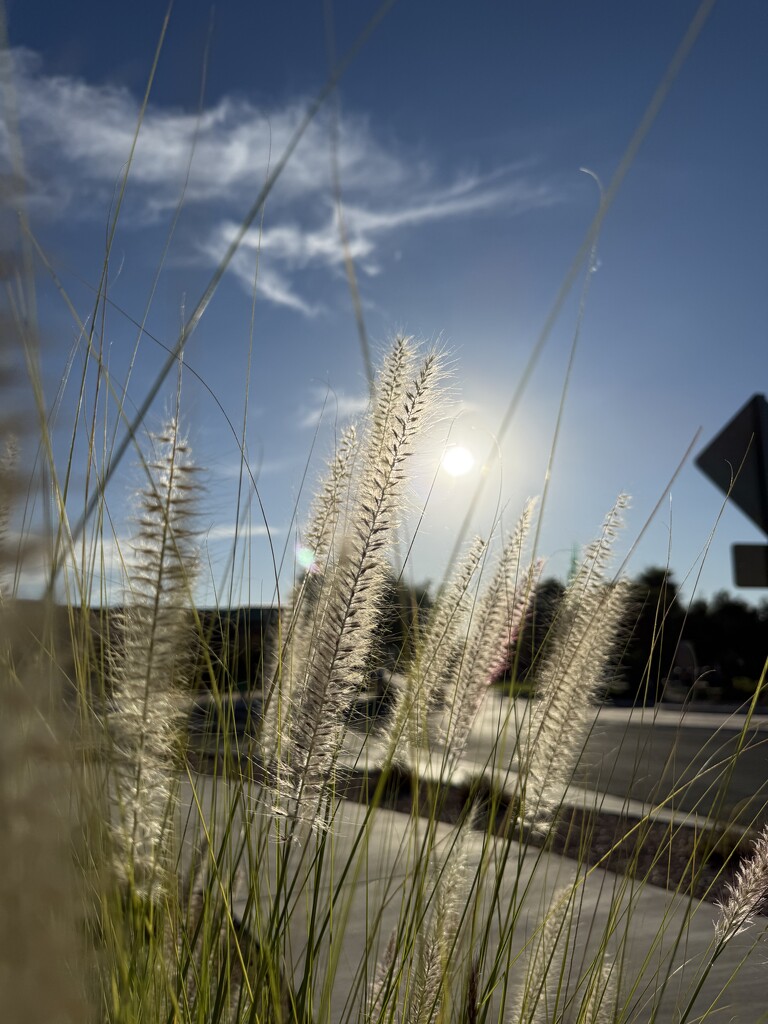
495, 625
437, 943
747, 896
328, 667
584, 636
150, 669
602, 996
431, 675
538, 997
382, 980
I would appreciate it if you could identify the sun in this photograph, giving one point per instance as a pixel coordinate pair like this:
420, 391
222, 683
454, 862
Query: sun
457, 460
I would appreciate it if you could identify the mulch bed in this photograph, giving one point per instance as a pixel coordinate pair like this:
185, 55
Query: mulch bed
681, 857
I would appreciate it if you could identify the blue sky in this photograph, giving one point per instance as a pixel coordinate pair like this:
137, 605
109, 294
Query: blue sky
461, 132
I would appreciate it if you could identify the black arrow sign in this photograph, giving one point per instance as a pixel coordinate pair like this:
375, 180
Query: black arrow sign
741, 448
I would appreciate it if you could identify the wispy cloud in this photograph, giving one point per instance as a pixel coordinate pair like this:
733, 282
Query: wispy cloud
100, 572
294, 246
259, 467
90, 127
330, 405
228, 531
77, 137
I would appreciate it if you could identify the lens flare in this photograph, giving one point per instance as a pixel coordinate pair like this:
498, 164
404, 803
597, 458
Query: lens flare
306, 558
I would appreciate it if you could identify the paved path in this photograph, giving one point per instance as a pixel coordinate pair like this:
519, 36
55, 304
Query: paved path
655, 933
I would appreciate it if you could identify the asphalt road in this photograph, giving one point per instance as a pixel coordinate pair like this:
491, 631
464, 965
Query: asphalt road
696, 766
684, 759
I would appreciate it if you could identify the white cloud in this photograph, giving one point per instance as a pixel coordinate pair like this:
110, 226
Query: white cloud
259, 467
272, 285
101, 573
244, 531
297, 247
77, 138
329, 405
90, 129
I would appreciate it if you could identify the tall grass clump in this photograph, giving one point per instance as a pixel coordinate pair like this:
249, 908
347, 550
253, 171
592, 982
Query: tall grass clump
308, 870
440, 859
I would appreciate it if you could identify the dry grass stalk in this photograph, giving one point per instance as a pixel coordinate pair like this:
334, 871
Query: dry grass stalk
349, 600
150, 669
496, 622
747, 896
572, 675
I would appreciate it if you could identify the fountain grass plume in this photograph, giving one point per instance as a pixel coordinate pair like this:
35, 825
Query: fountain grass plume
292, 652
439, 649
540, 995
495, 624
602, 995
328, 507
151, 666
747, 896
430, 964
544, 995
349, 598
572, 674
436, 945
381, 982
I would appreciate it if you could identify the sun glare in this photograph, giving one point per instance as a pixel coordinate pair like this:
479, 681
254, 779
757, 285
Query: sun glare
458, 460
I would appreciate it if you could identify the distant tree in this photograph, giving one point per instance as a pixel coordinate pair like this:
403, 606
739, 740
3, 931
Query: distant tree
653, 630
727, 635
730, 634
537, 629
232, 654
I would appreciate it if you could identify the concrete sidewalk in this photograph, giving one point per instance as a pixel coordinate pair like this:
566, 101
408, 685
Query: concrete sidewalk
653, 933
